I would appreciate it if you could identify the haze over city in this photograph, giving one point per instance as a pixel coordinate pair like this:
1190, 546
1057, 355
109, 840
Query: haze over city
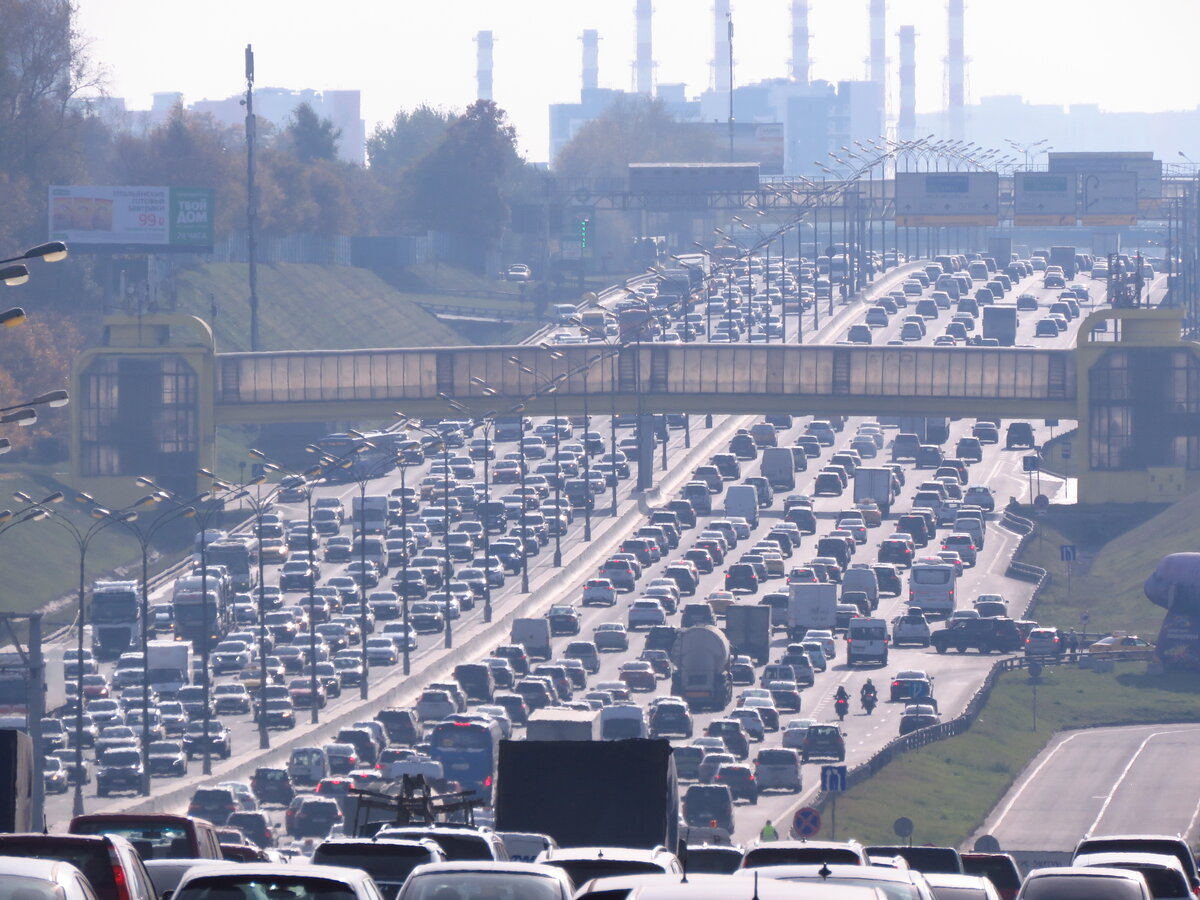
403, 54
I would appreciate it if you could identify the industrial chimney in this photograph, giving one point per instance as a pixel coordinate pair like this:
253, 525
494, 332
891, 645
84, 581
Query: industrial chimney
591, 59
483, 70
879, 42
644, 67
956, 73
907, 125
722, 48
800, 42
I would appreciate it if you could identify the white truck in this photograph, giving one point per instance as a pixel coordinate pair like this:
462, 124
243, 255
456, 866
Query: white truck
560, 724
169, 666
534, 636
369, 514
874, 484
811, 605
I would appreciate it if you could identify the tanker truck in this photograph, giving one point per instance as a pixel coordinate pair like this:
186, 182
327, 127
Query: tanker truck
701, 677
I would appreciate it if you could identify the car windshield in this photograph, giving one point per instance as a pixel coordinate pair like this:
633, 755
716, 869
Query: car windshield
583, 870
265, 887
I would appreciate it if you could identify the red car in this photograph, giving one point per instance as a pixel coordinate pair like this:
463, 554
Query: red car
638, 675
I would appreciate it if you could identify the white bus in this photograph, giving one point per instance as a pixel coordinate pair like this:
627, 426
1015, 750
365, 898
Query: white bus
931, 587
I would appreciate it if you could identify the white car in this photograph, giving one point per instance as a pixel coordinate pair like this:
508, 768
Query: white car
795, 732
825, 636
646, 613
910, 628
517, 272
599, 591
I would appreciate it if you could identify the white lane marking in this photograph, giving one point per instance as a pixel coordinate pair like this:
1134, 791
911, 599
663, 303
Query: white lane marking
1030, 779
1125, 772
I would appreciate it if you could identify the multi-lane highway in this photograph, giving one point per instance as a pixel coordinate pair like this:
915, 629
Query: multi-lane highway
956, 676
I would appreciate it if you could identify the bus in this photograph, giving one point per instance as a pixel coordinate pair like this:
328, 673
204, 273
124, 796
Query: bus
240, 559
931, 587
468, 750
377, 459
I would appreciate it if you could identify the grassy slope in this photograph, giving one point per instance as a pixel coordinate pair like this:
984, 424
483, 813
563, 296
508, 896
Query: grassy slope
1117, 548
306, 307
948, 788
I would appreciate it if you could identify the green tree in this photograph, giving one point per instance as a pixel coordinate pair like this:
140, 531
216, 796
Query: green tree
409, 137
458, 187
310, 137
633, 130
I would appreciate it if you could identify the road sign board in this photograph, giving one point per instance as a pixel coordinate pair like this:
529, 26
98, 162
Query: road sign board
806, 822
947, 198
1142, 163
1031, 463
833, 779
1066, 449
1044, 198
1066, 553
1109, 198
1085, 617
903, 827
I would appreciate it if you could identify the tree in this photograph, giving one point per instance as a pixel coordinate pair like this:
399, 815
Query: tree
458, 187
411, 136
633, 130
309, 136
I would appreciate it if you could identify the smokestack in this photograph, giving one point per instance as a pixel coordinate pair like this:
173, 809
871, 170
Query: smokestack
879, 43
956, 72
800, 38
907, 124
591, 59
644, 67
721, 47
483, 69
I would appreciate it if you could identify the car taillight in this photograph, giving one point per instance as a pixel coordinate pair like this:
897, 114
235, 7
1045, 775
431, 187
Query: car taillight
120, 881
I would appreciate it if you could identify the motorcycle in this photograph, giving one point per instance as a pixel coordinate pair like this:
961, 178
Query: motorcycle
868, 702
841, 707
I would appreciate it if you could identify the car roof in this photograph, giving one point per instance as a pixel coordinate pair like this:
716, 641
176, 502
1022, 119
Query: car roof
334, 873
512, 868
834, 871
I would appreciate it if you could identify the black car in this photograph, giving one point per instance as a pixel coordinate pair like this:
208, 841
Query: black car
166, 758
564, 620
918, 715
213, 804
272, 785
889, 580
1019, 434
120, 772
985, 635
823, 742
739, 779
217, 740
741, 577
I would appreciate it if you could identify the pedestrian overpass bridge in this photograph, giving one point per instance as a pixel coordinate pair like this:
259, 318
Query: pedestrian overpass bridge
148, 401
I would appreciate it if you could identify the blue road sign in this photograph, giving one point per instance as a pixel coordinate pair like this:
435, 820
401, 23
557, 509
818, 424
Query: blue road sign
833, 779
1066, 553
806, 822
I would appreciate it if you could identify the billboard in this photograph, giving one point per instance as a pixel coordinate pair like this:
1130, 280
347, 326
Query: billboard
1109, 198
132, 218
947, 198
1143, 164
1044, 198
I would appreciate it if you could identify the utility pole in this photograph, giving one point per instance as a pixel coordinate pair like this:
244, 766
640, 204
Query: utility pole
251, 200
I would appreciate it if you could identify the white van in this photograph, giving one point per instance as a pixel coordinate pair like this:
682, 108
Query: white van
861, 577
308, 765
867, 641
622, 721
779, 468
742, 500
931, 587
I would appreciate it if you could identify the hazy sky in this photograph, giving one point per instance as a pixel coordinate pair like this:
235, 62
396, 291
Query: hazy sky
398, 53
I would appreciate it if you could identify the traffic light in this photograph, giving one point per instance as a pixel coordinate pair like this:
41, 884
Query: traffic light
585, 225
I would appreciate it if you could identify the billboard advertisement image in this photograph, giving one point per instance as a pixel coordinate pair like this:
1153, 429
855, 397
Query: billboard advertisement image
153, 219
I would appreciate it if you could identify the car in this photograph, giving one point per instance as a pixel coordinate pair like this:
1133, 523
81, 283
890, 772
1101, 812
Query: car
909, 685
646, 613
823, 741
599, 591
1044, 643
985, 635
739, 778
1121, 644
917, 716
50, 865
1046, 328
611, 636
638, 675
911, 628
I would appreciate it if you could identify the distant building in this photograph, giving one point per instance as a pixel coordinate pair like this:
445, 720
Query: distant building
275, 105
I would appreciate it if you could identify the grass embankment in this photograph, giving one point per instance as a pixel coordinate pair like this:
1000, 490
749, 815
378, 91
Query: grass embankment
948, 788
308, 307
40, 560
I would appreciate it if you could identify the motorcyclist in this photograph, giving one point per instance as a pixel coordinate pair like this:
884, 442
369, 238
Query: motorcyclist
868, 690
840, 695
